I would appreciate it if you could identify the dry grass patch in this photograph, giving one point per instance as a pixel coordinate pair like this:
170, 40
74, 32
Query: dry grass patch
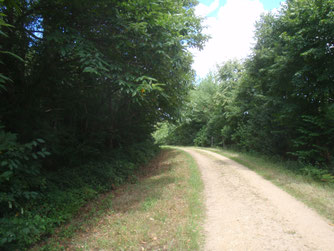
156, 213
317, 195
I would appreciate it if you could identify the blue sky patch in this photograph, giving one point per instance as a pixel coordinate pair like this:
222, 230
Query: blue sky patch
267, 4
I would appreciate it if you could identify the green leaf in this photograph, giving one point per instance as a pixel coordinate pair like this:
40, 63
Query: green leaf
13, 55
90, 70
4, 163
6, 175
3, 34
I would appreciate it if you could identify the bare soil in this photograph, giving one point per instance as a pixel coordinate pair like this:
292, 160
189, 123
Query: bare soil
246, 212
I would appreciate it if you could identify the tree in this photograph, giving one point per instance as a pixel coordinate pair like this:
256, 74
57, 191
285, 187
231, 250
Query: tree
90, 79
290, 68
280, 100
97, 67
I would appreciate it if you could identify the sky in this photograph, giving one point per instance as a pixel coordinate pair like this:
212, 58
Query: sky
231, 27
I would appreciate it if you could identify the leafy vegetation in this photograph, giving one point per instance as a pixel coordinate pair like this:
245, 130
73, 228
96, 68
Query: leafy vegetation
82, 85
278, 102
59, 194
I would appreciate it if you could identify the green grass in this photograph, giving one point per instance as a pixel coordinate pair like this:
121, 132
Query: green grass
162, 210
195, 201
315, 194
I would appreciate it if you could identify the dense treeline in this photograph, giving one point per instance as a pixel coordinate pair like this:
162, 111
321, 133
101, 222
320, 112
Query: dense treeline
280, 101
82, 84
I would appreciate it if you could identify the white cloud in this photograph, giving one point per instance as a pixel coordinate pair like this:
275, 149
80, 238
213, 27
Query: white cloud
232, 33
203, 10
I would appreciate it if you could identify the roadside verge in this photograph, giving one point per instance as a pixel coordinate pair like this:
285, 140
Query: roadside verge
161, 210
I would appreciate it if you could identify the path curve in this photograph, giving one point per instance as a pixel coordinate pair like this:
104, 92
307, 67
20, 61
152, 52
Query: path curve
246, 212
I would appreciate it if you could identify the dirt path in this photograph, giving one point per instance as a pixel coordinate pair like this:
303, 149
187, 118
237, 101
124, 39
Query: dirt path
246, 212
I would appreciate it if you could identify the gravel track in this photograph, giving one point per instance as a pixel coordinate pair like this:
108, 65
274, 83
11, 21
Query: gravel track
246, 212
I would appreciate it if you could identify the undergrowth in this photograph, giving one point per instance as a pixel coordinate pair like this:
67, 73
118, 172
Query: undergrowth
61, 193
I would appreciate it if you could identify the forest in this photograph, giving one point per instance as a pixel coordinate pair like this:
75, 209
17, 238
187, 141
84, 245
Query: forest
84, 85
279, 101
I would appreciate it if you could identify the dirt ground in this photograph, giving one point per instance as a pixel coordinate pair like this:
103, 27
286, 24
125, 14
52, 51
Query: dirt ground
246, 212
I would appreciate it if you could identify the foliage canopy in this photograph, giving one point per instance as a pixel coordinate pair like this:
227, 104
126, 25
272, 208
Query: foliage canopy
83, 81
280, 101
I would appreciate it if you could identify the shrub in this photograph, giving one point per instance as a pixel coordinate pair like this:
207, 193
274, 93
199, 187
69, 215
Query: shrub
34, 201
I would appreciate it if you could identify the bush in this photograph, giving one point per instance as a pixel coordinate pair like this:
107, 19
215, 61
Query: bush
58, 194
317, 174
20, 179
